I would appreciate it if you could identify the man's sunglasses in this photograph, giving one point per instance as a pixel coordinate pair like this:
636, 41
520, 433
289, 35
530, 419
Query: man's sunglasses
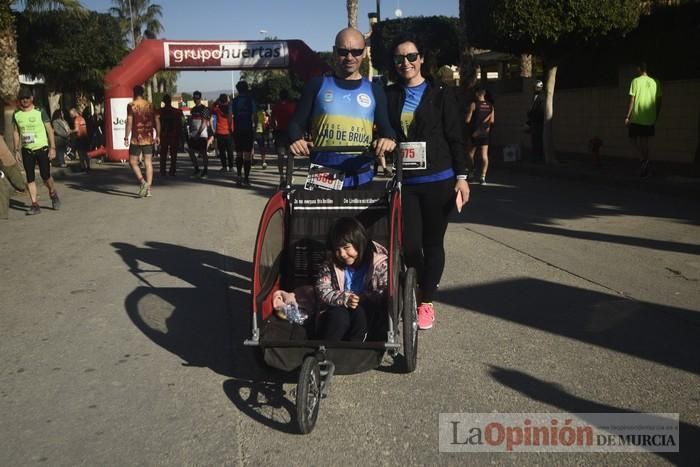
345, 52
412, 57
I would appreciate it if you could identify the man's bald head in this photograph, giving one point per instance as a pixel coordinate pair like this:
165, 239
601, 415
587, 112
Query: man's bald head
349, 35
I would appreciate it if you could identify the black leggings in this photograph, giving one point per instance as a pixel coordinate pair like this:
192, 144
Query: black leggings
344, 324
225, 146
31, 158
426, 212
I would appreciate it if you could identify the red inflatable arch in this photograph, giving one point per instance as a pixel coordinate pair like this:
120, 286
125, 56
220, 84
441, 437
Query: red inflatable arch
153, 55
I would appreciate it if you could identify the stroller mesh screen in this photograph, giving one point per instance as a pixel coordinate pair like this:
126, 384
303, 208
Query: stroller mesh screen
312, 215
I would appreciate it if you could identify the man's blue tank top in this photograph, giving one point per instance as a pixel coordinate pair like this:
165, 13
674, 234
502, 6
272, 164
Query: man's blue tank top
344, 117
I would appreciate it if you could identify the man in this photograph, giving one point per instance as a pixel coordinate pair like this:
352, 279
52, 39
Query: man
282, 113
243, 109
642, 112
224, 132
341, 110
140, 123
34, 143
81, 139
10, 178
535, 122
198, 132
169, 119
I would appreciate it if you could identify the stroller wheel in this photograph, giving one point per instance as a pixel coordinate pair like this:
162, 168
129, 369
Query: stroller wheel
308, 394
410, 321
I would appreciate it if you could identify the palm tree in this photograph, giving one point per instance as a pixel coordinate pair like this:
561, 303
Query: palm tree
9, 66
140, 19
352, 13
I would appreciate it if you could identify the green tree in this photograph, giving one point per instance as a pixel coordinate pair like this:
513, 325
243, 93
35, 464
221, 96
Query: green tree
552, 30
70, 62
439, 34
9, 67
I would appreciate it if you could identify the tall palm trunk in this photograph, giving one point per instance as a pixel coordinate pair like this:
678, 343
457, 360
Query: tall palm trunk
352, 13
9, 71
467, 67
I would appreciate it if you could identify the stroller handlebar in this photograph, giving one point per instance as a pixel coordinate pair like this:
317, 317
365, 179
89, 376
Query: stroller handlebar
350, 149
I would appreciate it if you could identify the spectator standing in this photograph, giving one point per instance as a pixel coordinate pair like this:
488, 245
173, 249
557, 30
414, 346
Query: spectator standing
243, 108
140, 124
535, 123
34, 142
81, 141
61, 132
169, 119
642, 112
282, 113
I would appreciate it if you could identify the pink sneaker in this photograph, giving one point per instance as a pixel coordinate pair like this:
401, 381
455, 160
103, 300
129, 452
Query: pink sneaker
426, 316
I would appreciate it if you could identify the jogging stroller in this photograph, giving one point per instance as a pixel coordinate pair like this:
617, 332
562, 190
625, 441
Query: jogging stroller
289, 248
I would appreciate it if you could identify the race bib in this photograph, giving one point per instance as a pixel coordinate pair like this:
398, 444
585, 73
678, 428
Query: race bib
324, 178
413, 155
27, 138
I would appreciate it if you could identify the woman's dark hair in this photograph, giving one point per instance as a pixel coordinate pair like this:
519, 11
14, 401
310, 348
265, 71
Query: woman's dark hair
349, 230
400, 39
58, 113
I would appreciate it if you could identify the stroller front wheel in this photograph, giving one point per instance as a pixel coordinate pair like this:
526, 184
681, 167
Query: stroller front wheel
308, 394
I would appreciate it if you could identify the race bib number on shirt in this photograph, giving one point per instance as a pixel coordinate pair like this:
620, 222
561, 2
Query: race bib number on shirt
413, 155
324, 178
27, 138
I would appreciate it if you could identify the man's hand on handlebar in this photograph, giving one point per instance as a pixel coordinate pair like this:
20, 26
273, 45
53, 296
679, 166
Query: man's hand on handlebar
383, 146
301, 147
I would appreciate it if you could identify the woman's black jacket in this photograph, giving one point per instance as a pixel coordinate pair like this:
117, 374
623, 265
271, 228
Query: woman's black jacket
437, 121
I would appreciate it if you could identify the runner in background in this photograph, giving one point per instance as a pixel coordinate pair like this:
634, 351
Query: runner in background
282, 113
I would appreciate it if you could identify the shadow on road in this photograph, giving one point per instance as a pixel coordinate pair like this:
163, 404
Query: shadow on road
657, 333
555, 395
539, 207
205, 322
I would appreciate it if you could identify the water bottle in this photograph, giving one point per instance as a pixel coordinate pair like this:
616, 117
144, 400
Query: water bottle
294, 314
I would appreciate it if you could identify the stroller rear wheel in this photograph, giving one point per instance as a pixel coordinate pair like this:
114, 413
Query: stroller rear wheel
308, 394
410, 321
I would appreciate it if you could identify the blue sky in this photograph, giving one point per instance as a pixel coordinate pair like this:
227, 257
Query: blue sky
314, 21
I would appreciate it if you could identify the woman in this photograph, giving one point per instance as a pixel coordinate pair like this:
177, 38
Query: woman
61, 131
429, 126
480, 118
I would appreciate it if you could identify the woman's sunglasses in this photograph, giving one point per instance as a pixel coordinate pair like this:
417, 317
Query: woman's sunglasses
412, 57
345, 52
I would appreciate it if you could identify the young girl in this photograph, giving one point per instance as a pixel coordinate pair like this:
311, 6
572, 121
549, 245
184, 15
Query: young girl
352, 282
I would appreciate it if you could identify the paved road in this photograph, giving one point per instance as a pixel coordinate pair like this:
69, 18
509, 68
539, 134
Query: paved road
121, 322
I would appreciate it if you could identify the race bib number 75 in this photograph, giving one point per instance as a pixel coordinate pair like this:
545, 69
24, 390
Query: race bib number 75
413, 155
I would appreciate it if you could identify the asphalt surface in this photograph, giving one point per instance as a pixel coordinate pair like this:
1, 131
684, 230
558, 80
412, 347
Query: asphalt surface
122, 321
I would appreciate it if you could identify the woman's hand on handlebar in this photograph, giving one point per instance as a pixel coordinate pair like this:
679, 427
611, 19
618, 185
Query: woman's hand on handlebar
301, 147
383, 146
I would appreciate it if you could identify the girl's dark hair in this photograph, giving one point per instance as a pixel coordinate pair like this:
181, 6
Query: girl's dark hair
400, 39
349, 230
